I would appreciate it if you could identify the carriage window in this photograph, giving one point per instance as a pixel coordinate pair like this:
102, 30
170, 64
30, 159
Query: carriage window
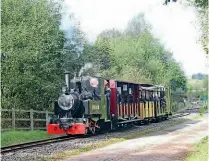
143, 94
155, 94
151, 94
119, 98
163, 92
124, 87
158, 92
119, 89
147, 95
130, 91
140, 94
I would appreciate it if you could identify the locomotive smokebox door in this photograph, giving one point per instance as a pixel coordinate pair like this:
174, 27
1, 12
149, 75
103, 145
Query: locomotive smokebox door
95, 86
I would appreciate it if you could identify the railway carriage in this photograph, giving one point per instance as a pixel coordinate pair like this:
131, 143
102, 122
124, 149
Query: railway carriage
90, 104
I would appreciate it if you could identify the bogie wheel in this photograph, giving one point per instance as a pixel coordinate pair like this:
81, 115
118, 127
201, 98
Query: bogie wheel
146, 122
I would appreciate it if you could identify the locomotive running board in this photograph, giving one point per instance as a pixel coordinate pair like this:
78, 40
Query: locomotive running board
123, 122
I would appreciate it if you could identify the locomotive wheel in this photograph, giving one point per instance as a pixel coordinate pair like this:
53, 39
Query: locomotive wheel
86, 130
93, 130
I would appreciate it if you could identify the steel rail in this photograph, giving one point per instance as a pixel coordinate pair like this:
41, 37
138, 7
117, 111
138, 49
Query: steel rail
192, 107
12, 148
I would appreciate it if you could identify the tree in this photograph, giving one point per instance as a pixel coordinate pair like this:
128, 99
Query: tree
109, 34
137, 25
202, 9
201, 3
34, 52
135, 55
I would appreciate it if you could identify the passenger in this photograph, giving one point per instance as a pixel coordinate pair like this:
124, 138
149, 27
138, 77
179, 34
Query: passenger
118, 97
125, 97
151, 95
130, 98
107, 90
96, 95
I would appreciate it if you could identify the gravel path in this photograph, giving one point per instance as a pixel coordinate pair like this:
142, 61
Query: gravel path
47, 150
171, 144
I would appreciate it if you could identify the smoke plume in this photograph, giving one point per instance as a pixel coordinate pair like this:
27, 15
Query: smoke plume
86, 67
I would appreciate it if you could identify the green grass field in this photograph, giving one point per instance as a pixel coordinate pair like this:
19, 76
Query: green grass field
16, 137
200, 151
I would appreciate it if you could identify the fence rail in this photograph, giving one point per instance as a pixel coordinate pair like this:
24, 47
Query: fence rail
31, 119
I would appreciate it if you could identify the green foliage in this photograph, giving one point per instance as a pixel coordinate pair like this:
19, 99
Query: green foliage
201, 3
198, 88
35, 53
202, 111
137, 26
135, 55
202, 8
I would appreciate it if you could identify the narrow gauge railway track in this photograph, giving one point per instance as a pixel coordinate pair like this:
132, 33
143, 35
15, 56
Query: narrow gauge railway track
188, 110
12, 148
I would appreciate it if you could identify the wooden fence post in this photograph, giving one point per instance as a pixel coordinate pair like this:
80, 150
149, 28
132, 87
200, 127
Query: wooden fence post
31, 119
13, 118
47, 116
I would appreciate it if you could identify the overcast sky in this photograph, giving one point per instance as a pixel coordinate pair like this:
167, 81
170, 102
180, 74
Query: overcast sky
172, 24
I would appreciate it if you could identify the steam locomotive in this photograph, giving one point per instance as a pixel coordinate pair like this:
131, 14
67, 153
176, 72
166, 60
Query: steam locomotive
89, 104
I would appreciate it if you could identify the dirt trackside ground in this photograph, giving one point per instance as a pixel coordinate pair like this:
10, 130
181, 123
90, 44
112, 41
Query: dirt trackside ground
170, 144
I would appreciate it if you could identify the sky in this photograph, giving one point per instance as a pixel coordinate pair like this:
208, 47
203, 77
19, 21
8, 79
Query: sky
173, 25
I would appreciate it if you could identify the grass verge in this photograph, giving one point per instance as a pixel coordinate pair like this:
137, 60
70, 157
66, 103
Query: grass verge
17, 137
200, 151
102, 144
201, 113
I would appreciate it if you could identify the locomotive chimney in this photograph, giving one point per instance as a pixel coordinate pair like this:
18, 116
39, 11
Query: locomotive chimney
67, 79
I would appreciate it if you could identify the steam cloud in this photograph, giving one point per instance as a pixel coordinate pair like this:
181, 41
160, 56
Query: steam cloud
85, 68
